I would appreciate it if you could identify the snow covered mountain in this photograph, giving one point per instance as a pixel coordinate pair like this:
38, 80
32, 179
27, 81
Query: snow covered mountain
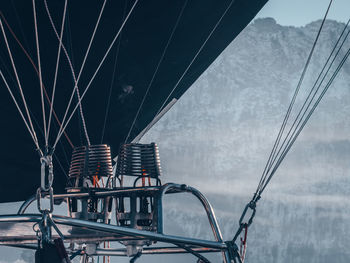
219, 134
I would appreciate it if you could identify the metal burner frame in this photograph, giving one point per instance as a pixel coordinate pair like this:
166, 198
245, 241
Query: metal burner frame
98, 232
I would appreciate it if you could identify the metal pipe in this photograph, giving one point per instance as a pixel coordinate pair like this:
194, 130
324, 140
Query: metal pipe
207, 206
138, 233
107, 192
26, 204
24, 246
116, 230
154, 251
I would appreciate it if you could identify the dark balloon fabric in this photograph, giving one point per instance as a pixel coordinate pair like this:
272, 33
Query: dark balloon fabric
114, 97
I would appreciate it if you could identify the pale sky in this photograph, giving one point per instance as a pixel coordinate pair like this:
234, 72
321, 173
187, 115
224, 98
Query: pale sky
301, 12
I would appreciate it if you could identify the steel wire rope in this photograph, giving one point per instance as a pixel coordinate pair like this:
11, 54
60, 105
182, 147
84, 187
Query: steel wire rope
312, 92
157, 68
20, 89
39, 68
56, 72
292, 140
257, 195
76, 80
265, 178
97, 70
190, 64
196, 55
18, 108
290, 107
113, 76
36, 122
36, 70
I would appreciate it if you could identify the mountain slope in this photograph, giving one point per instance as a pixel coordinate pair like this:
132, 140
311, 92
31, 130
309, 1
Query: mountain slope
219, 134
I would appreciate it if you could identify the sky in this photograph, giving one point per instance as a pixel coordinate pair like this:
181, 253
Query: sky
302, 12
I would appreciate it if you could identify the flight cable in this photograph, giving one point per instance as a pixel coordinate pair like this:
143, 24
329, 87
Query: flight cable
19, 110
113, 76
280, 133
39, 67
312, 92
196, 55
97, 70
76, 80
36, 70
56, 72
308, 116
157, 68
245, 219
20, 88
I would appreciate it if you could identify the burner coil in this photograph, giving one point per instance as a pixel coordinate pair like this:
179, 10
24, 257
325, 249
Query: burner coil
140, 160
90, 161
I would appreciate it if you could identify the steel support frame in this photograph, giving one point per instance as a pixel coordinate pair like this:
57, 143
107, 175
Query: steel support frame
201, 246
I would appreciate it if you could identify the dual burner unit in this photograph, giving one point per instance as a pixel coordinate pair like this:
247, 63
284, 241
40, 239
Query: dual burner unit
106, 203
124, 205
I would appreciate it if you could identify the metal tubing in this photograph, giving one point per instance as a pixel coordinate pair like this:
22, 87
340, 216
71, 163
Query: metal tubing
154, 251
33, 240
207, 206
138, 233
107, 192
166, 189
26, 204
24, 246
116, 230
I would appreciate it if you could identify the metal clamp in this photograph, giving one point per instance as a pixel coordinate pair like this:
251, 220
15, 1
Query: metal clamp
46, 172
245, 224
38, 198
233, 252
251, 205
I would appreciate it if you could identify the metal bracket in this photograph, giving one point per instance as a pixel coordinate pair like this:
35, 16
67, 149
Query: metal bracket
38, 198
251, 205
233, 252
46, 172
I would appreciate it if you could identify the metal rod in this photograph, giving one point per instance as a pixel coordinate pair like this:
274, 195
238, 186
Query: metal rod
25, 246
116, 230
107, 192
154, 251
26, 204
208, 209
139, 233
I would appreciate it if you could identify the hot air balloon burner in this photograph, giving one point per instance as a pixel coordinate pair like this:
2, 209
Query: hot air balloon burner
90, 167
141, 161
139, 209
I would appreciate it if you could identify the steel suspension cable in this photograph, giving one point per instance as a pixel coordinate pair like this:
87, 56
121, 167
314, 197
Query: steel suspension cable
20, 87
290, 107
196, 55
76, 80
312, 95
39, 67
36, 70
97, 70
245, 222
113, 76
56, 72
25, 121
33, 116
157, 68
292, 140
19, 110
